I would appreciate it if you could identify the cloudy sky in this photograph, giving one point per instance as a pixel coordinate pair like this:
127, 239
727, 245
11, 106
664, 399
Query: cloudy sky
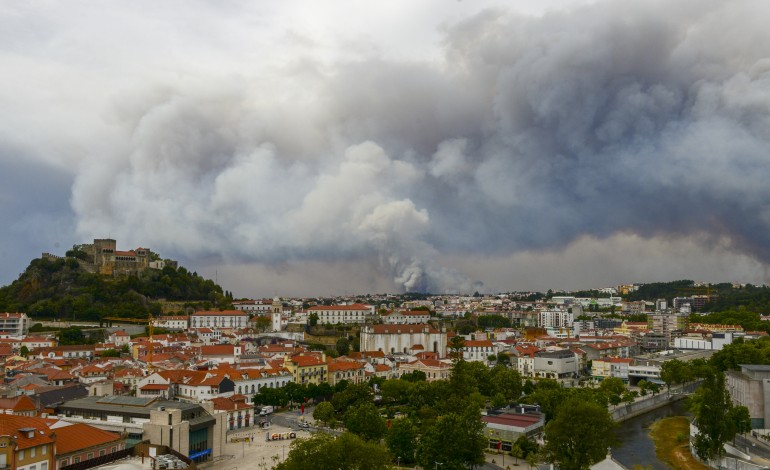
321, 148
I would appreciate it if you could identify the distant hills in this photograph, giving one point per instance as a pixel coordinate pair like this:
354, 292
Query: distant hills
61, 288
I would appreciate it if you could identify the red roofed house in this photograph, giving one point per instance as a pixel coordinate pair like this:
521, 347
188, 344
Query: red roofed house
80, 442
478, 351
352, 371
26, 442
239, 411
307, 368
20, 406
221, 353
503, 429
119, 338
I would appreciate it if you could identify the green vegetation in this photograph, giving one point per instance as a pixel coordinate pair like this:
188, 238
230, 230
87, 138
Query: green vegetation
325, 452
718, 420
579, 435
670, 448
61, 289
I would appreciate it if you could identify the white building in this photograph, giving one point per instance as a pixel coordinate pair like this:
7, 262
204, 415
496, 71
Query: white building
555, 319
342, 314
253, 306
478, 351
402, 338
215, 319
173, 322
14, 325
411, 317
556, 364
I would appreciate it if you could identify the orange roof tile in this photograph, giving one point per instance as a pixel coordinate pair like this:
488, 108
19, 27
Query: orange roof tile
81, 436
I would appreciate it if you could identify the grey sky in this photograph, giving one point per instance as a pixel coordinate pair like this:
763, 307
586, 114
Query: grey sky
332, 147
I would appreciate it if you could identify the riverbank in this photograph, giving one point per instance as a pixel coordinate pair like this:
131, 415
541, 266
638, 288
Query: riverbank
672, 443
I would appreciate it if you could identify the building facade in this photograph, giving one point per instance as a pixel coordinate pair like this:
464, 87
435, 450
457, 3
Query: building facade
230, 319
403, 338
14, 325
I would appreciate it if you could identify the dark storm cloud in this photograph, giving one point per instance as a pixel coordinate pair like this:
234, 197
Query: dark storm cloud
641, 118
34, 208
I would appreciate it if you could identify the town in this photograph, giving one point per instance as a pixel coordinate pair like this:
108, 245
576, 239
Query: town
203, 387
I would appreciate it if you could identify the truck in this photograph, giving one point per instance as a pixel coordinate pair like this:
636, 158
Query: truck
266, 410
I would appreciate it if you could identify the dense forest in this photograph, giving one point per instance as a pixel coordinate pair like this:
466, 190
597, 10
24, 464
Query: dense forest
61, 289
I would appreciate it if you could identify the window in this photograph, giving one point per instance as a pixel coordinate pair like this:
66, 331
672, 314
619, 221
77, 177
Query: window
113, 449
21, 455
44, 466
64, 462
90, 455
76, 460
102, 452
44, 450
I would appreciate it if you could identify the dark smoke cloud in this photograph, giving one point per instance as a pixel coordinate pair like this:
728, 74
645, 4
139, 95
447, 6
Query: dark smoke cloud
530, 133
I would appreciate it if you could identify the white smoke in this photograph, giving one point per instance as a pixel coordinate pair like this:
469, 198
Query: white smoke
528, 133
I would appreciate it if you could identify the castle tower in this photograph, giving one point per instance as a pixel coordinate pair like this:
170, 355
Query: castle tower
276, 310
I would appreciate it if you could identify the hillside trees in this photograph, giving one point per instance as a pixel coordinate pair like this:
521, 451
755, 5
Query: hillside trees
60, 289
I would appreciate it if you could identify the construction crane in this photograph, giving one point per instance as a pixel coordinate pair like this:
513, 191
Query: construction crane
150, 326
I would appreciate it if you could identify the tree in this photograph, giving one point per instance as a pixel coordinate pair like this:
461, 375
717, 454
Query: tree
352, 395
324, 411
402, 440
271, 396
717, 419
455, 439
414, 376
24, 351
263, 324
343, 346
673, 372
506, 382
71, 335
347, 452
612, 386
364, 420
456, 347
578, 435
312, 319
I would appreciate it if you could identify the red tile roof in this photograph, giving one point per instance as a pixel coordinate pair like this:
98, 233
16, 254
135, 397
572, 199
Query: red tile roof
11, 424
223, 313
82, 436
341, 307
402, 329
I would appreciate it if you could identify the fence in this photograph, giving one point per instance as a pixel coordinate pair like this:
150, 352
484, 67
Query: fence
99, 460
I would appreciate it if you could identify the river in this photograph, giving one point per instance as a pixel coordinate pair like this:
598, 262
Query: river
635, 445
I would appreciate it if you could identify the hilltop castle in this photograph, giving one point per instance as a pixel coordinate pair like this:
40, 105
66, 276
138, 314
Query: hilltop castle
102, 257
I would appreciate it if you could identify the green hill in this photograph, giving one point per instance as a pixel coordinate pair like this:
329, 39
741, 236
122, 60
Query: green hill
61, 289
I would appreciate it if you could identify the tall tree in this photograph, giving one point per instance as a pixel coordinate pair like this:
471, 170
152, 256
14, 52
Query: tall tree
578, 435
717, 419
456, 440
324, 411
364, 420
402, 440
